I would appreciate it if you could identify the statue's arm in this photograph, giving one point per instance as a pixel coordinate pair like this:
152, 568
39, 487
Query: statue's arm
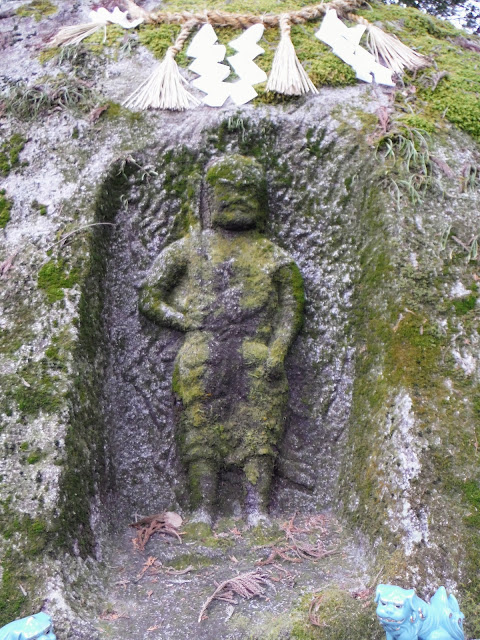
291, 299
164, 275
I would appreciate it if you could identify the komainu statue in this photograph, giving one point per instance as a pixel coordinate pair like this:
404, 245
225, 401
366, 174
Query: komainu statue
405, 616
239, 300
36, 627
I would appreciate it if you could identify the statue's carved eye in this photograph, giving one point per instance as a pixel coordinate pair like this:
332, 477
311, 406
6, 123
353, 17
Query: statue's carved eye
399, 606
383, 603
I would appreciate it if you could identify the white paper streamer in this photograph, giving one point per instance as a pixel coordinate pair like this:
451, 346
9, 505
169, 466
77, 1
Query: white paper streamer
103, 16
345, 44
208, 56
242, 62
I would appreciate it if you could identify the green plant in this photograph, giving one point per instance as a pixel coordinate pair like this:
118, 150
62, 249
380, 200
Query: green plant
63, 92
406, 153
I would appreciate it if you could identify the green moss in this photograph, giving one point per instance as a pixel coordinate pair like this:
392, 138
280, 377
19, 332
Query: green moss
41, 395
418, 122
455, 97
54, 277
12, 600
202, 533
196, 560
5, 208
26, 539
41, 208
16, 571
183, 174
37, 9
338, 617
470, 602
464, 305
35, 456
96, 42
10, 153
264, 534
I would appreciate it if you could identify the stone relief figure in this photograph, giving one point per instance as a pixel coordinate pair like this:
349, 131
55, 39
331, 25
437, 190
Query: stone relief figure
239, 300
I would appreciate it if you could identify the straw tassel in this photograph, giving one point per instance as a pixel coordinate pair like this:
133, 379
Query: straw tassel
75, 34
99, 19
165, 89
389, 50
287, 75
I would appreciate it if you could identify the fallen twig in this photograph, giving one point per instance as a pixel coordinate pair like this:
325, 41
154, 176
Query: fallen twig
7, 264
179, 572
275, 553
313, 609
149, 563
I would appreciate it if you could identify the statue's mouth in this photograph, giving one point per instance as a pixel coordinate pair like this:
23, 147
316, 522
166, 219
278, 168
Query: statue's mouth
383, 620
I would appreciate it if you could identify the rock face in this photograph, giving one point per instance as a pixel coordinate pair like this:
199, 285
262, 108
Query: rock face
381, 419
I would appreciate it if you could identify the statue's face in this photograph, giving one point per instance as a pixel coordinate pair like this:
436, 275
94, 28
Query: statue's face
236, 193
394, 606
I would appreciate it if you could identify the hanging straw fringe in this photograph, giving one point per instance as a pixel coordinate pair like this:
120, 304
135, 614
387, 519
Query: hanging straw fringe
98, 20
164, 89
388, 49
74, 35
287, 75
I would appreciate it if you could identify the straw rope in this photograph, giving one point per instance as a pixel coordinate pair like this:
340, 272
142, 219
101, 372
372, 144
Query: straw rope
182, 37
242, 20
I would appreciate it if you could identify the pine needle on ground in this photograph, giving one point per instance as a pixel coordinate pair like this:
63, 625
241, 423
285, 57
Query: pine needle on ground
246, 585
166, 524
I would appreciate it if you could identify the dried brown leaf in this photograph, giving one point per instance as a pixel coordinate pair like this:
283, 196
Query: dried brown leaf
112, 615
179, 572
95, 114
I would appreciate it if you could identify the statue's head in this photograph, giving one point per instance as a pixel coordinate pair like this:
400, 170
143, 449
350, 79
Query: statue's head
399, 608
237, 194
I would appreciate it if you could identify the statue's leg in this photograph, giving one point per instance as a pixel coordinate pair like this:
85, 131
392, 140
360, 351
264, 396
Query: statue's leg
258, 482
194, 423
203, 478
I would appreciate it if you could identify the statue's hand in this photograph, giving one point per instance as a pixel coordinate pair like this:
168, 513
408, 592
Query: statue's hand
273, 366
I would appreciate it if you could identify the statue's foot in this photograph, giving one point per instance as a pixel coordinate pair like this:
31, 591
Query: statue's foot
202, 515
256, 518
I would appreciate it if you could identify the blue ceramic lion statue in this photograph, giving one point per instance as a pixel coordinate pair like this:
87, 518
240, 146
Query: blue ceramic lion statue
36, 627
405, 616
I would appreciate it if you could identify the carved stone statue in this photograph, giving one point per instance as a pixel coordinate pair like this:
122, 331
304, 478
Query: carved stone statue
239, 299
405, 616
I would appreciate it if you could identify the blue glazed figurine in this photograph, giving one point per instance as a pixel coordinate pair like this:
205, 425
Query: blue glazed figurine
36, 627
405, 616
